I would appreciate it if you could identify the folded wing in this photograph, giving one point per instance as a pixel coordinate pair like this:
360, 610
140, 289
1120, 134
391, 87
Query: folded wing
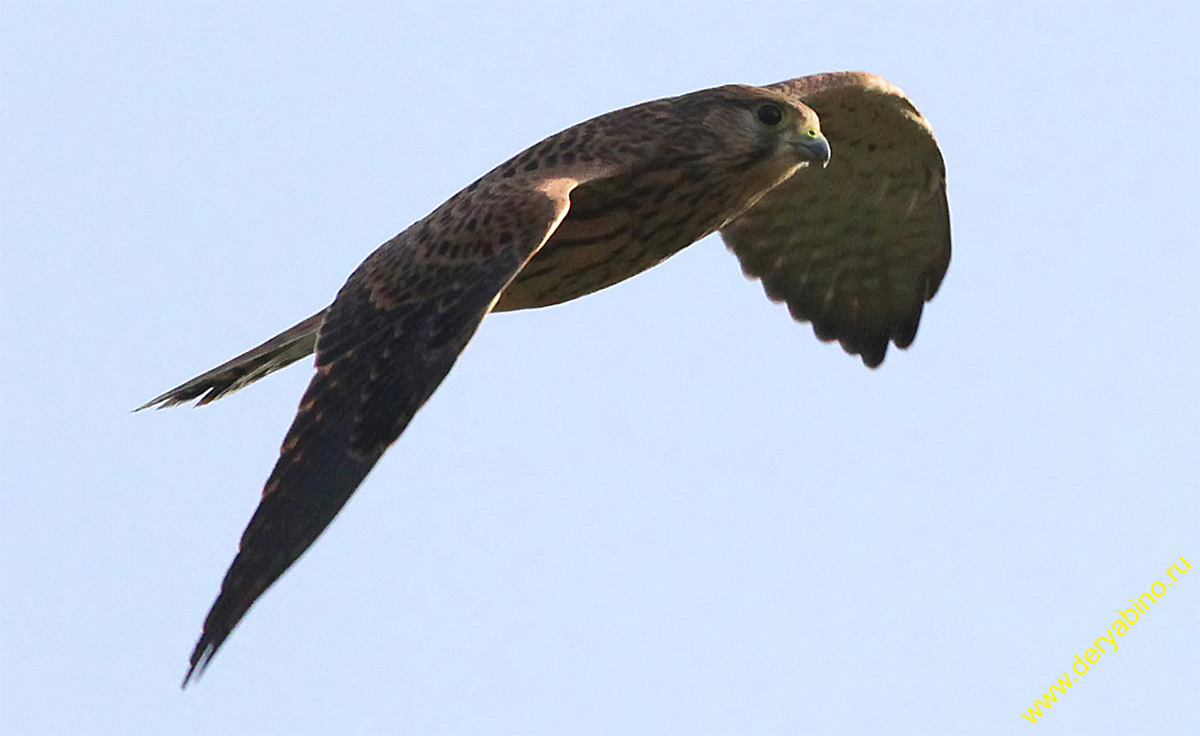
858, 247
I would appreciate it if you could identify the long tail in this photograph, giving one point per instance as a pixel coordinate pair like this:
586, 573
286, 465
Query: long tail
280, 351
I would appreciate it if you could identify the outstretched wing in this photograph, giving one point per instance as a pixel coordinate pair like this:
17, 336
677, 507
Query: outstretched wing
387, 341
858, 247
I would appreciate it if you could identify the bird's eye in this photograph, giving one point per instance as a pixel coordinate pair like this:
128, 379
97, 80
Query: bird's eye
769, 114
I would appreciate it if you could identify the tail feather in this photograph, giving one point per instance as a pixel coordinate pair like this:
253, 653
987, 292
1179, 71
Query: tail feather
280, 351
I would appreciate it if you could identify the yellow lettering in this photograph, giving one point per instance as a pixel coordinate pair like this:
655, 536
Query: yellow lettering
1110, 639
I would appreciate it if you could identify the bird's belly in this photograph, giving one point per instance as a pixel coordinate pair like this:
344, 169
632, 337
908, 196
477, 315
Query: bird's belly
562, 275
584, 257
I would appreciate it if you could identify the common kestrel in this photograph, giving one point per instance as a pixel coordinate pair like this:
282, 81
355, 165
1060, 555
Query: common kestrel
856, 245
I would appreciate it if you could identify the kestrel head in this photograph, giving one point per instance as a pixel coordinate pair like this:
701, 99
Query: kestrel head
765, 123
757, 137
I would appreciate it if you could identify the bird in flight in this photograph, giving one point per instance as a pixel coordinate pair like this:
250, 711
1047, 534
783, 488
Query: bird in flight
830, 189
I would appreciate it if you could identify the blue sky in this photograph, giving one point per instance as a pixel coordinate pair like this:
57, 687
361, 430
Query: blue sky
665, 508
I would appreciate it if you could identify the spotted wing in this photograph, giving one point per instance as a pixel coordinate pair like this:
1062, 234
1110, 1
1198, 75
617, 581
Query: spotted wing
858, 247
387, 341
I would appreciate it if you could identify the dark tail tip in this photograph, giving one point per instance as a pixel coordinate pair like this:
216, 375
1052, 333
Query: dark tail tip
201, 656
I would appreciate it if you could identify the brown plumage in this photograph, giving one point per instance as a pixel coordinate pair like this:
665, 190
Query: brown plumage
855, 248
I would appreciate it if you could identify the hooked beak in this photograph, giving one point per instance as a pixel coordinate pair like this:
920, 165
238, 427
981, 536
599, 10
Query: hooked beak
815, 149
